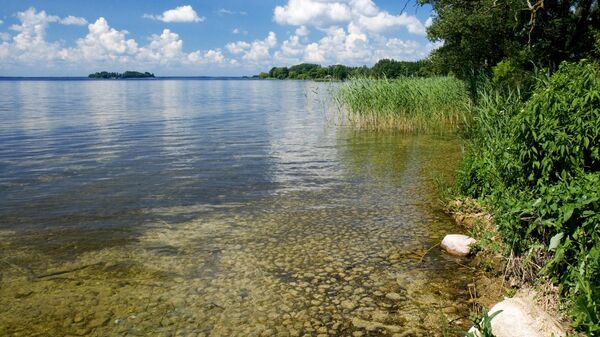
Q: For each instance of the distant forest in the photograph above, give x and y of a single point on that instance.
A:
(384, 68)
(127, 74)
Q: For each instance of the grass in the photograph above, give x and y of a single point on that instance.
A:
(407, 104)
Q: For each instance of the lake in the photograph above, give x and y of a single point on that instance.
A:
(217, 208)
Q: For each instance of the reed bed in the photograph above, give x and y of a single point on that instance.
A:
(407, 104)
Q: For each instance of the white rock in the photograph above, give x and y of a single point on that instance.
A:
(457, 244)
(520, 317)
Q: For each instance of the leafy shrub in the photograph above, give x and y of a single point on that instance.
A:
(559, 129)
(537, 163)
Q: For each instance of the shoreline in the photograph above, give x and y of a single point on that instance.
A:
(493, 279)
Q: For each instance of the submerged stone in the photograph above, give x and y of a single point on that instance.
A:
(457, 244)
(393, 296)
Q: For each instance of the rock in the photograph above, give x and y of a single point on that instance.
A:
(373, 326)
(348, 305)
(22, 293)
(520, 317)
(457, 244)
(99, 320)
(393, 296)
(78, 318)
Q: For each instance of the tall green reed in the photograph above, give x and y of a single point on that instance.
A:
(407, 104)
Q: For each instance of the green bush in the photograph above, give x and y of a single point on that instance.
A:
(537, 163)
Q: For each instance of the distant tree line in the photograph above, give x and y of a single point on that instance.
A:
(384, 68)
(127, 74)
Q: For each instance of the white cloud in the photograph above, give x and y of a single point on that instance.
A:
(403, 50)
(291, 51)
(260, 50)
(355, 32)
(101, 45)
(179, 14)
(317, 12)
(1, 22)
(105, 43)
(352, 32)
(30, 42)
(239, 31)
(384, 20)
(428, 22)
(211, 56)
(350, 46)
(257, 51)
(214, 56)
(4, 50)
(237, 47)
(362, 13)
(224, 11)
(302, 31)
(73, 20)
(314, 54)
(164, 48)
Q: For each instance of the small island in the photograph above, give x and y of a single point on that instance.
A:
(119, 76)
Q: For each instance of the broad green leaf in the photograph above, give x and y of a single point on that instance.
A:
(568, 213)
(555, 241)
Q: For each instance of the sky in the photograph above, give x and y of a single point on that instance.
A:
(205, 37)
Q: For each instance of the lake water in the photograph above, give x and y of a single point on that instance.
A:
(217, 208)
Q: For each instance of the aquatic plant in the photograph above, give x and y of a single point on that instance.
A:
(408, 103)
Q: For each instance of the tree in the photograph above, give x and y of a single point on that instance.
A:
(394, 69)
(279, 72)
(478, 34)
(339, 71)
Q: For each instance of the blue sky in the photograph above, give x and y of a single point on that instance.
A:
(202, 37)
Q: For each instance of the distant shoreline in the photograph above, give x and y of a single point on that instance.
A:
(85, 78)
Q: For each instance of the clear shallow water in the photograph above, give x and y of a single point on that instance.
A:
(216, 208)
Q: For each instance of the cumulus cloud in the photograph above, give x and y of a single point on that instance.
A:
(302, 31)
(101, 45)
(352, 32)
(351, 45)
(213, 56)
(384, 20)
(180, 14)
(105, 43)
(237, 47)
(1, 22)
(73, 20)
(317, 12)
(362, 13)
(258, 51)
(355, 32)
(163, 48)
(30, 43)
